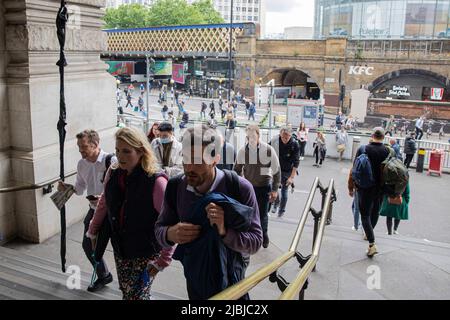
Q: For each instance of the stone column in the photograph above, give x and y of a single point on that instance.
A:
(32, 79)
(245, 65)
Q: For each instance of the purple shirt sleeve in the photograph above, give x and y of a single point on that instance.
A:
(246, 242)
(166, 218)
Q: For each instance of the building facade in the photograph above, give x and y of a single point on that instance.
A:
(374, 19)
(116, 3)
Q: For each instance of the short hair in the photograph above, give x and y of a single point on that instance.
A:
(252, 128)
(202, 138)
(165, 127)
(287, 129)
(378, 133)
(91, 135)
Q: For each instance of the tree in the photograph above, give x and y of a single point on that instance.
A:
(162, 13)
(206, 8)
(126, 16)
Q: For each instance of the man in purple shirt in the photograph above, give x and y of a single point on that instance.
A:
(200, 178)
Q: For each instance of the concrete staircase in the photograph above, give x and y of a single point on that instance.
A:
(26, 277)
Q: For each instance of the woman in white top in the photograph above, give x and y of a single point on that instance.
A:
(302, 136)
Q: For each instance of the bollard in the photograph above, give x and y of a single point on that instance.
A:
(420, 160)
(355, 147)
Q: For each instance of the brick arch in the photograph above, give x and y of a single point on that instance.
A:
(408, 72)
(283, 70)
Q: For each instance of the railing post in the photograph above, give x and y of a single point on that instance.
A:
(355, 147)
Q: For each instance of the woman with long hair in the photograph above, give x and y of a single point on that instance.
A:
(320, 149)
(153, 132)
(302, 136)
(131, 201)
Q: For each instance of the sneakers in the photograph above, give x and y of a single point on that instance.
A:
(265, 241)
(372, 250)
(354, 229)
(302, 158)
(274, 209)
(280, 214)
(395, 232)
(100, 283)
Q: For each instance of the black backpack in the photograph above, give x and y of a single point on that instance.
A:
(231, 181)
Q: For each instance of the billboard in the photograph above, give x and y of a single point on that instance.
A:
(120, 67)
(162, 68)
(178, 73)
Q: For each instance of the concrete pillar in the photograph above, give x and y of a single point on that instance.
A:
(32, 78)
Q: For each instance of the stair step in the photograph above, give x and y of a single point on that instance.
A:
(24, 277)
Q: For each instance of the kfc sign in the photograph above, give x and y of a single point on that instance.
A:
(360, 70)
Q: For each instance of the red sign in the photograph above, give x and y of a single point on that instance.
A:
(178, 73)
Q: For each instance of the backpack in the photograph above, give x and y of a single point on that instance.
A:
(362, 173)
(231, 181)
(395, 175)
(107, 164)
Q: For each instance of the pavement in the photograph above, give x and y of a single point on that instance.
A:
(412, 265)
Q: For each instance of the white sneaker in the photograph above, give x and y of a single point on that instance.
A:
(395, 232)
(302, 158)
(354, 229)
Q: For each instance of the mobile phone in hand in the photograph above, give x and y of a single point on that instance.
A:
(92, 198)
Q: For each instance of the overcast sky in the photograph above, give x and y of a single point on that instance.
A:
(288, 13)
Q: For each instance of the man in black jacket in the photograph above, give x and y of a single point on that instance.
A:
(288, 152)
(370, 198)
(410, 149)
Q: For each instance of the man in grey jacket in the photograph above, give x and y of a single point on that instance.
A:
(258, 163)
(168, 150)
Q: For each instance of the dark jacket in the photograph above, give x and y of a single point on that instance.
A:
(209, 265)
(410, 146)
(288, 153)
(377, 153)
(132, 234)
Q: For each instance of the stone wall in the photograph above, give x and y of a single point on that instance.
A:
(409, 109)
(33, 99)
(8, 226)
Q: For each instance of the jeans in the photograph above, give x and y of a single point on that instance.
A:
(262, 197)
(102, 242)
(251, 115)
(389, 224)
(419, 133)
(282, 201)
(355, 210)
(369, 207)
(318, 154)
(302, 148)
(408, 159)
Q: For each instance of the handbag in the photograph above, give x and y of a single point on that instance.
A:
(341, 148)
(395, 200)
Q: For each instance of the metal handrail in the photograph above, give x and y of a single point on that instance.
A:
(242, 287)
(294, 288)
(34, 186)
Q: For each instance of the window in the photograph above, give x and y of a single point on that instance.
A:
(255, 18)
(250, 9)
(244, 9)
(255, 10)
(249, 18)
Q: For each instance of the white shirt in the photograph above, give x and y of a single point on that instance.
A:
(419, 123)
(90, 175)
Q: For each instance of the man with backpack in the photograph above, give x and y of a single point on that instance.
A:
(374, 174)
(91, 170)
(217, 209)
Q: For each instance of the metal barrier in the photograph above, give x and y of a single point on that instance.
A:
(46, 186)
(307, 263)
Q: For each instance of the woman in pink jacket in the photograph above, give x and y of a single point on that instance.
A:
(132, 201)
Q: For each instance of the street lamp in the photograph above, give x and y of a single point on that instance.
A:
(230, 66)
(259, 92)
(220, 88)
(171, 92)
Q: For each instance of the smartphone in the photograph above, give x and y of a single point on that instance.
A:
(92, 198)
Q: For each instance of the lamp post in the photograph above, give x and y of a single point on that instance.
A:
(220, 88)
(230, 66)
(147, 60)
(259, 92)
(271, 84)
(171, 93)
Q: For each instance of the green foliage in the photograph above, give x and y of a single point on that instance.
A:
(162, 13)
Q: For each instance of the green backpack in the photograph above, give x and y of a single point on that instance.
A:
(395, 175)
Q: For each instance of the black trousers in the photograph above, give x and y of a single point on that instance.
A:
(102, 242)
(369, 208)
(302, 148)
(262, 197)
(408, 159)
